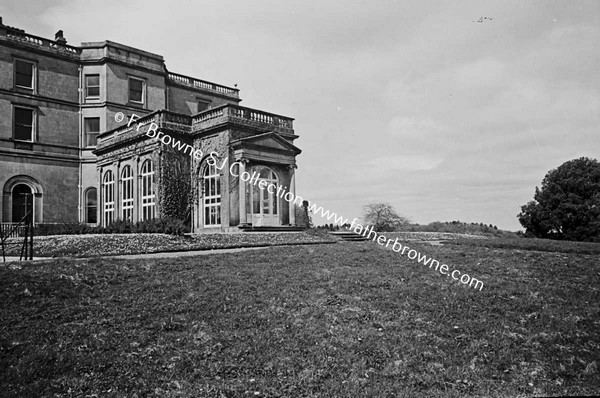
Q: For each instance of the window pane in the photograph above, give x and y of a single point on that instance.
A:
(23, 124)
(136, 88)
(24, 75)
(92, 85)
(91, 206)
(24, 116)
(92, 124)
(202, 106)
(255, 199)
(92, 129)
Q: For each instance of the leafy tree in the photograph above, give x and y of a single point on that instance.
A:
(568, 204)
(383, 217)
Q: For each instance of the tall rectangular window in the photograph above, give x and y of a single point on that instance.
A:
(127, 193)
(212, 197)
(92, 86)
(92, 129)
(109, 198)
(148, 197)
(136, 90)
(91, 206)
(24, 74)
(24, 122)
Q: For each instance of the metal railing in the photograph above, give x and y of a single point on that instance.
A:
(24, 228)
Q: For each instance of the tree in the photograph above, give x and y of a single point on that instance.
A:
(568, 204)
(383, 217)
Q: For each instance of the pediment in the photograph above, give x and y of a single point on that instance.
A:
(266, 141)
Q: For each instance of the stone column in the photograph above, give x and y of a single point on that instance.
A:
(292, 208)
(242, 191)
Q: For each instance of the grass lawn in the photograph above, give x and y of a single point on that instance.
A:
(342, 320)
(113, 244)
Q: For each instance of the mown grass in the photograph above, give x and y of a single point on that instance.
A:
(137, 243)
(343, 320)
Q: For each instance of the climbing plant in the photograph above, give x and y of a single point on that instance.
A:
(175, 188)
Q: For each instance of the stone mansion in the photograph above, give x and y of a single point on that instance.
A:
(69, 152)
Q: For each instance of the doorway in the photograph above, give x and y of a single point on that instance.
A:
(265, 205)
(22, 202)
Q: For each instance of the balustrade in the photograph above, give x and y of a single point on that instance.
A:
(233, 112)
(20, 35)
(190, 81)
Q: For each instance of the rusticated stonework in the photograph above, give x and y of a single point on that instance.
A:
(204, 188)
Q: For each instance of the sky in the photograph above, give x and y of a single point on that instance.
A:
(446, 110)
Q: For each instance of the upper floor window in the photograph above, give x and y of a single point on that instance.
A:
(92, 86)
(137, 90)
(24, 124)
(24, 74)
(92, 129)
(203, 105)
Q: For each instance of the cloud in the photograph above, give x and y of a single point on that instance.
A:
(390, 164)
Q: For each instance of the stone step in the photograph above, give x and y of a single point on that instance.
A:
(281, 228)
(349, 236)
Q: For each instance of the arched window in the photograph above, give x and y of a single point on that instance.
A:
(147, 190)
(91, 206)
(126, 193)
(212, 197)
(20, 194)
(22, 202)
(109, 198)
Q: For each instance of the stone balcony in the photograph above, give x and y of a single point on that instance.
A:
(222, 116)
(165, 120)
(241, 116)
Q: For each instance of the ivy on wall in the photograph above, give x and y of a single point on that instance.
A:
(175, 189)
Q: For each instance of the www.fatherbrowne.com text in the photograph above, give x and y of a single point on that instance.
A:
(293, 199)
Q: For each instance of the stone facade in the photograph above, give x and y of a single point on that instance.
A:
(202, 186)
(55, 99)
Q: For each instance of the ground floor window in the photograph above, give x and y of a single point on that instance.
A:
(212, 197)
(91, 206)
(148, 201)
(109, 198)
(127, 193)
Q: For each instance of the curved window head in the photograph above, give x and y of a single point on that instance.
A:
(91, 206)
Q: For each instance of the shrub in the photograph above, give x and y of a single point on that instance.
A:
(72, 228)
(171, 226)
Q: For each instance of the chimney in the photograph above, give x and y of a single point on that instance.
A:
(60, 38)
(0, 20)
